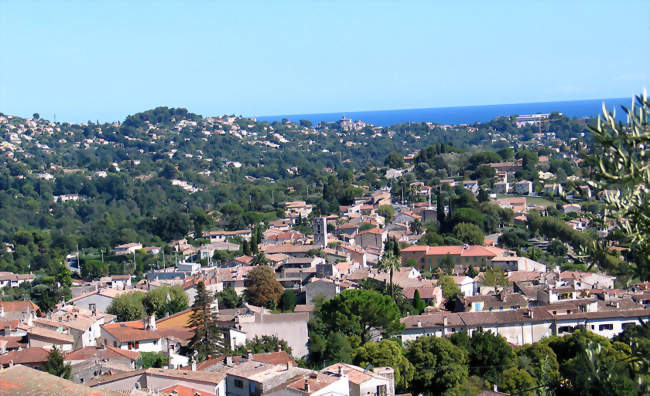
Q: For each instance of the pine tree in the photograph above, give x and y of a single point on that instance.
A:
(55, 365)
(208, 338)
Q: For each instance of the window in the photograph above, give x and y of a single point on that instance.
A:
(607, 326)
(137, 344)
(625, 325)
(381, 390)
(251, 386)
(565, 329)
(239, 383)
(114, 344)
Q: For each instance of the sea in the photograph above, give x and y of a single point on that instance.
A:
(465, 114)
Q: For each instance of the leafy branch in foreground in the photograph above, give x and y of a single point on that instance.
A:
(622, 172)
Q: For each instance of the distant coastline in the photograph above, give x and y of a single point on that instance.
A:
(464, 114)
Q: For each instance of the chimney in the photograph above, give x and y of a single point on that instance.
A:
(289, 365)
(249, 355)
(193, 365)
(341, 374)
(419, 324)
(531, 314)
(151, 322)
(228, 360)
(444, 321)
(2, 311)
(279, 348)
(306, 384)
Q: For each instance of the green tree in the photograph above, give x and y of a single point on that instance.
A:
(228, 298)
(622, 164)
(394, 160)
(154, 359)
(165, 300)
(469, 233)
(495, 276)
(387, 212)
(264, 344)
(288, 301)
(338, 348)
(386, 353)
(490, 355)
(439, 364)
(56, 366)
(416, 226)
(431, 238)
(450, 291)
(128, 307)
(483, 195)
(207, 338)
(418, 303)
(543, 364)
(359, 312)
(259, 259)
(262, 288)
(471, 387)
(516, 381)
(389, 262)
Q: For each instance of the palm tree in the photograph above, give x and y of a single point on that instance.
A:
(416, 226)
(389, 263)
(259, 259)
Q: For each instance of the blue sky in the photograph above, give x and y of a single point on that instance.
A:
(104, 60)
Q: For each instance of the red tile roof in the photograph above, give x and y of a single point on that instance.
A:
(25, 356)
(131, 331)
(19, 306)
(181, 390)
(107, 352)
(470, 251)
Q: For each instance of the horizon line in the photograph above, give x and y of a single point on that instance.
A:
(438, 107)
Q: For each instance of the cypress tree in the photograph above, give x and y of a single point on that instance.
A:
(208, 338)
(245, 247)
(56, 366)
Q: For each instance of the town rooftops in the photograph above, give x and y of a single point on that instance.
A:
(464, 251)
(131, 331)
(107, 352)
(20, 380)
(540, 314)
(10, 276)
(128, 245)
(25, 356)
(287, 248)
(19, 306)
(199, 376)
(52, 335)
(181, 390)
(356, 375)
(306, 384)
